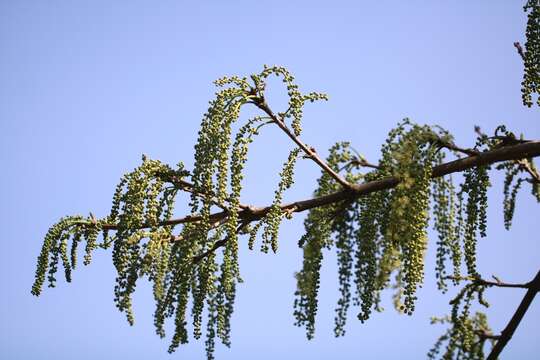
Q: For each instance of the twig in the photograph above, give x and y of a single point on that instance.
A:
(309, 151)
(517, 45)
(360, 162)
(525, 165)
(454, 147)
(480, 281)
(189, 187)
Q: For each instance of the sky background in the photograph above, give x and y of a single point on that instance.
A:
(86, 87)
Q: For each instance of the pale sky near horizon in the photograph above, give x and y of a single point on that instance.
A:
(87, 87)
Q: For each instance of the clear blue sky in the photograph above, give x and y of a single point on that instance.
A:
(86, 87)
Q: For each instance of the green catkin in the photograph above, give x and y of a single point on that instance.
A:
(74, 246)
(344, 248)
(64, 255)
(90, 235)
(368, 239)
(165, 306)
(180, 332)
(510, 203)
(178, 290)
(317, 236)
(457, 253)
(476, 182)
(308, 281)
(531, 76)
(161, 268)
(444, 211)
(253, 235)
(205, 278)
(210, 343)
(275, 215)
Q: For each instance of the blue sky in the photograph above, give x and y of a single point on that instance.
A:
(87, 87)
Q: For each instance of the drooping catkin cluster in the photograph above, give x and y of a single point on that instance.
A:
(219, 165)
(55, 248)
(143, 200)
(467, 335)
(320, 223)
(274, 217)
(410, 157)
(381, 237)
(184, 267)
(376, 235)
(531, 76)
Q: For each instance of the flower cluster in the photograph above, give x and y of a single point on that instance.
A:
(320, 223)
(380, 237)
(55, 248)
(467, 335)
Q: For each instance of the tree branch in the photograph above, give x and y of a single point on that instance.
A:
(359, 163)
(529, 149)
(506, 334)
(483, 282)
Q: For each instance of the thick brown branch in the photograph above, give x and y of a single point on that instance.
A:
(506, 334)
(514, 152)
(309, 151)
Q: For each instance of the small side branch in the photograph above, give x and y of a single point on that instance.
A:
(526, 166)
(454, 147)
(359, 162)
(484, 282)
(309, 151)
(189, 187)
